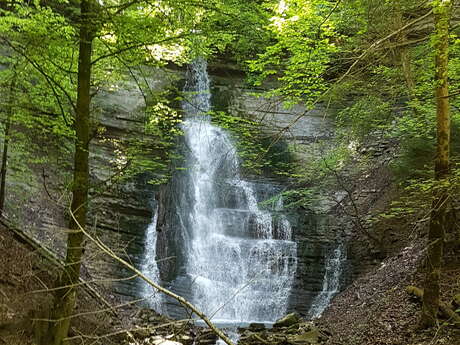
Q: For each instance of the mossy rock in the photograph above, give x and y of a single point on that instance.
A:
(311, 337)
(287, 321)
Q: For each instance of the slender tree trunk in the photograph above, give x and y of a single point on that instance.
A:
(438, 219)
(6, 142)
(65, 298)
(407, 71)
(403, 51)
(4, 163)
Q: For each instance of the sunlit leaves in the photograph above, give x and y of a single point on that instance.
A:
(301, 52)
(258, 152)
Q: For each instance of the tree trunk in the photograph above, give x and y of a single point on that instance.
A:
(438, 220)
(444, 309)
(65, 298)
(403, 52)
(6, 142)
(4, 163)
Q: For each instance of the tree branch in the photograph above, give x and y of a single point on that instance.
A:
(149, 281)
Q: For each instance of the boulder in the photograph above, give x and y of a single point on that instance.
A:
(167, 342)
(256, 327)
(311, 337)
(287, 321)
(142, 332)
(158, 340)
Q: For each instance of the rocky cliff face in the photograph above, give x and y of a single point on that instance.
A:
(122, 209)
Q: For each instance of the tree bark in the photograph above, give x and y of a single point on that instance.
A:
(444, 309)
(6, 142)
(438, 220)
(65, 298)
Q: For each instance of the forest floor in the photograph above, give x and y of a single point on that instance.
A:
(26, 277)
(21, 272)
(376, 309)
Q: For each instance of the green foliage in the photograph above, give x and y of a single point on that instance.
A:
(162, 118)
(299, 198)
(316, 174)
(37, 89)
(326, 158)
(154, 153)
(258, 152)
(368, 106)
(367, 115)
(301, 53)
(301, 46)
(43, 40)
(237, 29)
(415, 128)
(417, 197)
(375, 102)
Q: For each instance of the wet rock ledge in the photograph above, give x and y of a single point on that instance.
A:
(289, 330)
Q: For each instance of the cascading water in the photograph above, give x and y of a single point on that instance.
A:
(331, 281)
(149, 265)
(238, 260)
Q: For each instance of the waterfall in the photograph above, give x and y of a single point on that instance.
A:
(238, 260)
(331, 281)
(149, 265)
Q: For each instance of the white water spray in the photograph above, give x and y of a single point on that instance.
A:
(331, 281)
(149, 266)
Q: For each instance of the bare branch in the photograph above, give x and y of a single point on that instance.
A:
(149, 281)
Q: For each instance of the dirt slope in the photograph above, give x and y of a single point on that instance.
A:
(376, 309)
